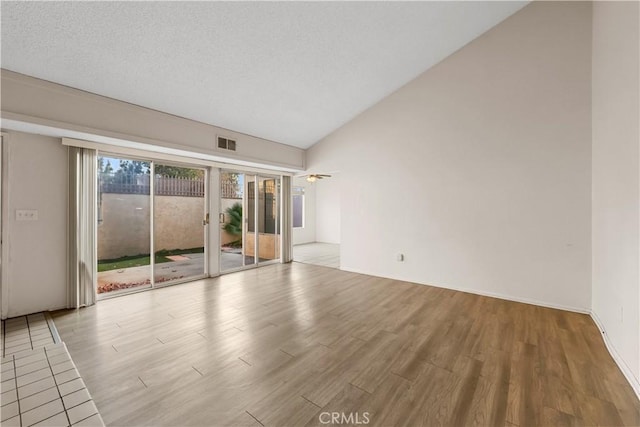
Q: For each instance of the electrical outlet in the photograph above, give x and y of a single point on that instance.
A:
(26, 215)
(621, 314)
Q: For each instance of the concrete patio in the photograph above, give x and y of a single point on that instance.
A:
(192, 266)
(133, 277)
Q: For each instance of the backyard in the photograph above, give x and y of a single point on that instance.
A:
(141, 206)
(125, 217)
(144, 259)
(135, 271)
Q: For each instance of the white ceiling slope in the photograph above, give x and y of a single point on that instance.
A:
(286, 71)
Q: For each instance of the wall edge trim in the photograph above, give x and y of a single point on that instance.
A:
(626, 371)
(498, 295)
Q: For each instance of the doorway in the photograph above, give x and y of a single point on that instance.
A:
(249, 220)
(152, 224)
(179, 223)
(316, 220)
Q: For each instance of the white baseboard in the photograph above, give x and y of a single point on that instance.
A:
(483, 293)
(626, 371)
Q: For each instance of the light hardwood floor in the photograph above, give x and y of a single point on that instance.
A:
(282, 344)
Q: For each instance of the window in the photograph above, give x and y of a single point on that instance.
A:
(298, 207)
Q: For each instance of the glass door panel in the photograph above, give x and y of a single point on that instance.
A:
(179, 223)
(124, 224)
(268, 219)
(249, 220)
(233, 221)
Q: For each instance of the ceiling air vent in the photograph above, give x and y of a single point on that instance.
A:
(226, 144)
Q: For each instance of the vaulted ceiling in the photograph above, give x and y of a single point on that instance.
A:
(291, 72)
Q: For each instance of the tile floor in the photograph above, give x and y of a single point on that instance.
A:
(40, 384)
(25, 333)
(325, 254)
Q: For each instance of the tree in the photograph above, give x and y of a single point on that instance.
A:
(234, 226)
(230, 184)
(104, 165)
(133, 167)
(178, 172)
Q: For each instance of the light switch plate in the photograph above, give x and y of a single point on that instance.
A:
(26, 215)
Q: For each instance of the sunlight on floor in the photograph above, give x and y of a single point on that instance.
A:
(325, 254)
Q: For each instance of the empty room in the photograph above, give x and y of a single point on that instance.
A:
(320, 213)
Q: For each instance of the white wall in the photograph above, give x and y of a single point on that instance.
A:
(616, 179)
(479, 169)
(34, 269)
(328, 198)
(307, 234)
(39, 102)
(35, 256)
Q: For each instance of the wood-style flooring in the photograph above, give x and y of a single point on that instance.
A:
(283, 344)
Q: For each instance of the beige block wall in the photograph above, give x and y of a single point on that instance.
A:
(178, 222)
(123, 225)
(268, 245)
(124, 229)
(226, 238)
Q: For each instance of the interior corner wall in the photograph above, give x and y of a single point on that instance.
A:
(478, 171)
(616, 179)
(306, 234)
(34, 270)
(328, 197)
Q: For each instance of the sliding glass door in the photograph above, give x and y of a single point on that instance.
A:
(153, 222)
(232, 221)
(179, 220)
(139, 216)
(124, 224)
(249, 220)
(268, 219)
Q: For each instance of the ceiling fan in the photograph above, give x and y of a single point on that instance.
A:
(316, 176)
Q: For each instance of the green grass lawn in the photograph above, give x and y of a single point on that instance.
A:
(142, 259)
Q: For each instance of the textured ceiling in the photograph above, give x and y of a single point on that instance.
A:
(285, 71)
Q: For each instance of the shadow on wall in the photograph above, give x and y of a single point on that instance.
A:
(327, 194)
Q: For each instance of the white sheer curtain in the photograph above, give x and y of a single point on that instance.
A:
(82, 268)
(286, 219)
